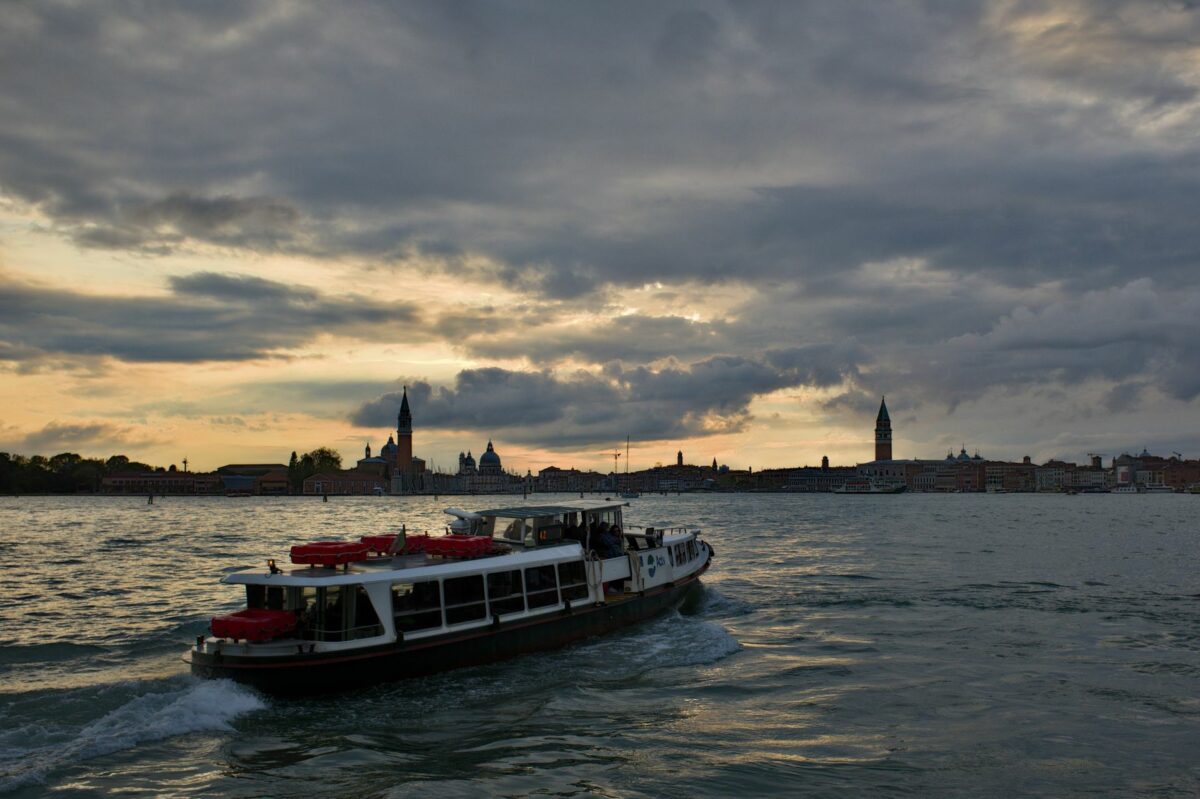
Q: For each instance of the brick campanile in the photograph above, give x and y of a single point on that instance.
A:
(404, 454)
(883, 433)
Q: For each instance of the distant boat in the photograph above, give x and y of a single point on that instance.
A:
(861, 485)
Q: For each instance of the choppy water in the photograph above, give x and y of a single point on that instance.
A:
(964, 645)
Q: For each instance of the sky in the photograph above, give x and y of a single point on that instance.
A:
(231, 230)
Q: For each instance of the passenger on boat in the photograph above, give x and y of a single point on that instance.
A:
(573, 532)
(607, 542)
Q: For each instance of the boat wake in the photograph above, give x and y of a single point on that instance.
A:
(31, 751)
(674, 640)
(712, 603)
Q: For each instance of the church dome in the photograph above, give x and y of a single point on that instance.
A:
(389, 448)
(489, 458)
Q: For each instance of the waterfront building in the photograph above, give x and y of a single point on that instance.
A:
(824, 478)
(161, 482)
(1003, 476)
(254, 478)
(488, 476)
(554, 479)
(1053, 476)
(404, 430)
(235, 478)
(389, 452)
(891, 472)
(1091, 478)
(883, 433)
(347, 481)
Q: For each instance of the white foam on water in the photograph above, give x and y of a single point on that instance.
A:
(678, 640)
(200, 706)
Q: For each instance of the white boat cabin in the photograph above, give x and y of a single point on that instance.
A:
(545, 559)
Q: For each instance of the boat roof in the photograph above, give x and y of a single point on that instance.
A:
(531, 511)
(407, 567)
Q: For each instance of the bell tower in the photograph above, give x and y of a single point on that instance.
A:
(404, 452)
(883, 433)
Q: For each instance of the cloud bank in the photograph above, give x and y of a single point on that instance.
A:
(945, 201)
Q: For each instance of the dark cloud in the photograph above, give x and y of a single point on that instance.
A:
(259, 223)
(687, 40)
(1033, 162)
(583, 146)
(675, 402)
(1131, 337)
(208, 317)
(57, 437)
(629, 338)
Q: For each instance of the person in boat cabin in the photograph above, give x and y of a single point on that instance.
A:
(608, 544)
(572, 531)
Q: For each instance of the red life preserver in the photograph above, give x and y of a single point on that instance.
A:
(254, 624)
(329, 553)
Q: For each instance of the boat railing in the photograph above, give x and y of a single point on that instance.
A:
(631, 529)
(321, 633)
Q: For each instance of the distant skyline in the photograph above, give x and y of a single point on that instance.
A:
(229, 231)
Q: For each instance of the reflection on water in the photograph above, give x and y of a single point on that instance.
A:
(928, 645)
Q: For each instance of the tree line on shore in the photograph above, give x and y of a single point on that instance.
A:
(321, 459)
(64, 473)
(71, 473)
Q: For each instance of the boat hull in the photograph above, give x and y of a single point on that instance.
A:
(305, 673)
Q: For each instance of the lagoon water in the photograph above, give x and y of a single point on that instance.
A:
(917, 645)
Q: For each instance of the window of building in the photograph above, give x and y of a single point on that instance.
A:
(505, 592)
(573, 580)
(464, 599)
(417, 606)
(541, 587)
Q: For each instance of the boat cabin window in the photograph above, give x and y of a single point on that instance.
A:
(547, 529)
(505, 592)
(464, 599)
(514, 530)
(573, 579)
(417, 606)
(301, 600)
(541, 587)
(338, 613)
(573, 528)
(264, 596)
